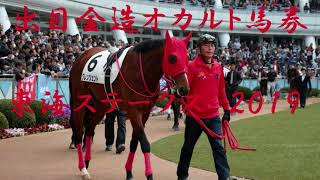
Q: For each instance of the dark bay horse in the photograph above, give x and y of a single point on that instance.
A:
(138, 80)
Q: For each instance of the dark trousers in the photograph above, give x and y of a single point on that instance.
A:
(192, 133)
(232, 100)
(263, 87)
(176, 113)
(303, 97)
(109, 128)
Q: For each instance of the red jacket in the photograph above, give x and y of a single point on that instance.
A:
(207, 89)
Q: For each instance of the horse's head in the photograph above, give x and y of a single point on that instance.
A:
(175, 62)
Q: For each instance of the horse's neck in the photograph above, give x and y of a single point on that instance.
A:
(152, 68)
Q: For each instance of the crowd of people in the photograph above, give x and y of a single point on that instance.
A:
(24, 53)
(277, 5)
(52, 53)
(252, 56)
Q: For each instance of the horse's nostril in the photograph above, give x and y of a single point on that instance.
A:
(183, 91)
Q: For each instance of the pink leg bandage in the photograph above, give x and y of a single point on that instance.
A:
(129, 162)
(80, 156)
(148, 164)
(88, 148)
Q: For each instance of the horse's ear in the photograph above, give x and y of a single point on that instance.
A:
(168, 37)
(187, 39)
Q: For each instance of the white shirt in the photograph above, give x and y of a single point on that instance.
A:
(225, 71)
(231, 78)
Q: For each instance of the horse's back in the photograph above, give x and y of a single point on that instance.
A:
(81, 61)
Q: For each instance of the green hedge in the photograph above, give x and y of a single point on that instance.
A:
(14, 120)
(162, 103)
(284, 90)
(314, 93)
(40, 118)
(256, 88)
(3, 121)
(246, 91)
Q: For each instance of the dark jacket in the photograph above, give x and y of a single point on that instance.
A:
(272, 76)
(236, 80)
(305, 85)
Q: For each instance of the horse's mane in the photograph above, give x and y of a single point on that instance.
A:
(148, 45)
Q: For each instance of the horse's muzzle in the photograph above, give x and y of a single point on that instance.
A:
(183, 91)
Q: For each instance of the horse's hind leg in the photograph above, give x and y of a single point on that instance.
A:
(78, 130)
(94, 118)
(88, 137)
(133, 148)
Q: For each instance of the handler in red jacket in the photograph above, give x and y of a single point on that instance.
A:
(207, 93)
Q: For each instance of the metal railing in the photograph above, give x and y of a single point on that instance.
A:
(45, 83)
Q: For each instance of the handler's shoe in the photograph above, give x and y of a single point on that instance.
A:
(120, 148)
(176, 128)
(109, 148)
(232, 178)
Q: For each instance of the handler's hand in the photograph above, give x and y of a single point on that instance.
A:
(226, 116)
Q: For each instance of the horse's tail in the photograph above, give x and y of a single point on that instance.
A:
(71, 120)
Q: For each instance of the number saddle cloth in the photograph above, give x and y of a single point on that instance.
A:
(102, 68)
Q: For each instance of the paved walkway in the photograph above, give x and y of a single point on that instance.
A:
(46, 155)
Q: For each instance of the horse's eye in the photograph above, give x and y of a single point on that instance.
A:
(172, 59)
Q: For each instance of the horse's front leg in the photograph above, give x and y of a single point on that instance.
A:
(139, 135)
(145, 147)
(133, 148)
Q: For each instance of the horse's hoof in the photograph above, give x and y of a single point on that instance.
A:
(150, 177)
(86, 177)
(85, 174)
(129, 176)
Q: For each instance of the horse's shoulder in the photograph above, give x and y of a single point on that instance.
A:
(97, 49)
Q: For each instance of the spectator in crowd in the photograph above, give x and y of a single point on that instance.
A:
(309, 54)
(304, 87)
(67, 69)
(19, 71)
(271, 87)
(263, 81)
(175, 106)
(306, 8)
(36, 68)
(233, 79)
(52, 50)
(4, 49)
(112, 47)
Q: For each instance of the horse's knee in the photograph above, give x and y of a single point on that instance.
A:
(133, 145)
(145, 145)
(78, 137)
